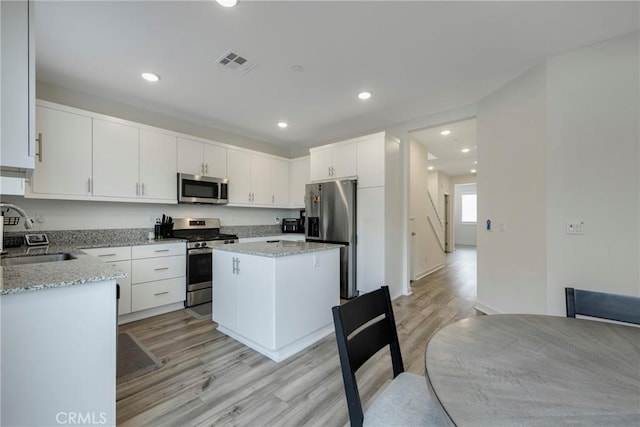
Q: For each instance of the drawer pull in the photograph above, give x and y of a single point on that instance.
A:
(162, 250)
(162, 268)
(102, 255)
(161, 293)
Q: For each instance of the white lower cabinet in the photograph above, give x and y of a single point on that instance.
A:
(157, 275)
(119, 257)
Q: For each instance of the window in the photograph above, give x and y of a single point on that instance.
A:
(469, 208)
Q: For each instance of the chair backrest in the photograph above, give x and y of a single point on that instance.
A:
(356, 348)
(622, 308)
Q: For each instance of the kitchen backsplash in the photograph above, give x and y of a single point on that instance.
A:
(80, 215)
(116, 235)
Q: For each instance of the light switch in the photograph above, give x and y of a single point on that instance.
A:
(575, 227)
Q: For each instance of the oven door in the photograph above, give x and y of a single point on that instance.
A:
(199, 276)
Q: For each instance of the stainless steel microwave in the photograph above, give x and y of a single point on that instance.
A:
(202, 189)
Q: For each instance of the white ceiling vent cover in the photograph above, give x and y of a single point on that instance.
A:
(233, 61)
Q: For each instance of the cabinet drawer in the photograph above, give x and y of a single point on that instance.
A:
(161, 250)
(121, 253)
(156, 294)
(149, 269)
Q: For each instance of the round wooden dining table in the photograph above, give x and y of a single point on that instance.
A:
(531, 370)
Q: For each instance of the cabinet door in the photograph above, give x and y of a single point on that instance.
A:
(115, 160)
(239, 173)
(371, 162)
(17, 97)
(320, 162)
(66, 153)
(225, 290)
(256, 299)
(215, 161)
(344, 161)
(280, 182)
(298, 178)
(261, 180)
(190, 157)
(124, 303)
(371, 240)
(158, 166)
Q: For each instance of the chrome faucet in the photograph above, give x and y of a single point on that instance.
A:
(28, 224)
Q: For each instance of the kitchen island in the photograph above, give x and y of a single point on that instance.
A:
(276, 297)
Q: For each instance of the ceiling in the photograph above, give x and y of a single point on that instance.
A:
(416, 57)
(447, 149)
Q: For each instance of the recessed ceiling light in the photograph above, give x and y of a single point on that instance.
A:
(465, 150)
(227, 3)
(282, 125)
(473, 171)
(364, 95)
(445, 132)
(475, 163)
(430, 168)
(150, 77)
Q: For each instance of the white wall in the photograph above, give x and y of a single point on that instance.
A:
(85, 215)
(425, 252)
(568, 131)
(512, 264)
(465, 233)
(593, 169)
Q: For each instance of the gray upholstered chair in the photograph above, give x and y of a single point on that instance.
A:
(621, 308)
(407, 401)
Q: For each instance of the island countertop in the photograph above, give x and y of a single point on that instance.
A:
(278, 248)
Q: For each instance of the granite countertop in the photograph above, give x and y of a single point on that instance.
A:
(277, 249)
(84, 269)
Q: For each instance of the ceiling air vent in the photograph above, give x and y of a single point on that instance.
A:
(231, 60)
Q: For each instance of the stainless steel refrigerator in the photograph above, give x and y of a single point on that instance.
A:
(331, 218)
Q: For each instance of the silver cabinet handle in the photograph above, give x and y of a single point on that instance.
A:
(161, 268)
(329, 171)
(161, 293)
(249, 196)
(206, 168)
(103, 255)
(39, 152)
(137, 188)
(202, 168)
(162, 250)
(273, 198)
(143, 188)
(88, 185)
(237, 265)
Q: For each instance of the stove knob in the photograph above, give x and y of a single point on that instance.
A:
(197, 245)
(204, 244)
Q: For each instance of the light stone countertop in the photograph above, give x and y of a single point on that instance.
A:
(277, 249)
(84, 269)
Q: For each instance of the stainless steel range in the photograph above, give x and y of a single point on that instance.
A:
(202, 235)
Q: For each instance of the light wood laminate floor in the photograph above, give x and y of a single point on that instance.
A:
(210, 379)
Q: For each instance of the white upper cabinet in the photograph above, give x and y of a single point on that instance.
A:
(371, 160)
(17, 97)
(239, 174)
(115, 160)
(215, 161)
(334, 161)
(64, 163)
(157, 166)
(256, 179)
(280, 183)
(298, 179)
(197, 158)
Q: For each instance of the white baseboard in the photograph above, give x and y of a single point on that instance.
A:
(486, 309)
(139, 315)
(428, 272)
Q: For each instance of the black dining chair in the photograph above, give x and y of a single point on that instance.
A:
(407, 400)
(621, 308)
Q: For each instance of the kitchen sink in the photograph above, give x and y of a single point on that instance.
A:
(36, 259)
